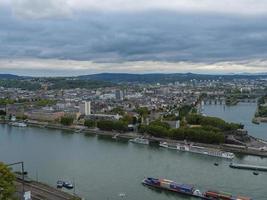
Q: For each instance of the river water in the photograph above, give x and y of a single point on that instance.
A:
(241, 113)
(102, 168)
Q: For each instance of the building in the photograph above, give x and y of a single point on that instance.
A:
(119, 95)
(103, 117)
(85, 108)
(43, 115)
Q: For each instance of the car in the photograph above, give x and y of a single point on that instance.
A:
(68, 185)
(60, 184)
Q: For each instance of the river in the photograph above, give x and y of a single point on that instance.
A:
(102, 168)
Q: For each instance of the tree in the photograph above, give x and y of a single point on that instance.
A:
(118, 110)
(184, 110)
(7, 185)
(2, 112)
(159, 123)
(66, 121)
(45, 102)
(89, 123)
(108, 125)
(212, 121)
(128, 119)
(143, 112)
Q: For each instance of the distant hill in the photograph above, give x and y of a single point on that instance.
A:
(9, 76)
(164, 78)
(104, 78)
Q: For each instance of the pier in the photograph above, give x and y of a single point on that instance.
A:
(248, 167)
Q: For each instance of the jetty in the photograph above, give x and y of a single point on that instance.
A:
(248, 167)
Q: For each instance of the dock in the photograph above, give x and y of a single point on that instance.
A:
(248, 167)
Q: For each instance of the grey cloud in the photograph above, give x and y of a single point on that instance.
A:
(135, 36)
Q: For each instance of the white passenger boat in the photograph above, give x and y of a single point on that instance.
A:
(168, 145)
(18, 124)
(140, 140)
(199, 150)
(205, 151)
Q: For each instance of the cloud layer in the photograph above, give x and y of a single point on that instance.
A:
(53, 67)
(41, 8)
(110, 32)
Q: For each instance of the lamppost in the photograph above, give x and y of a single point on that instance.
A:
(1, 190)
(22, 171)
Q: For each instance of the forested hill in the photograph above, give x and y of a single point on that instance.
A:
(165, 78)
(9, 76)
(111, 79)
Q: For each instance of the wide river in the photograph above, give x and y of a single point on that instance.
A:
(103, 168)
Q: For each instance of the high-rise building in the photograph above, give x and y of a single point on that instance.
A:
(85, 108)
(119, 95)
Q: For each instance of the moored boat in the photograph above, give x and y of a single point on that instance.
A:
(65, 184)
(60, 184)
(198, 149)
(206, 151)
(18, 124)
(140, 140)
(68, 185)
(168, 145)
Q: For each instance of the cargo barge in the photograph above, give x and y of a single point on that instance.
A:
(189, 190)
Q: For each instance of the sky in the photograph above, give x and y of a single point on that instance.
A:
(78, 37)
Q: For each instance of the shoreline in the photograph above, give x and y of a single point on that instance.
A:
(131, 135)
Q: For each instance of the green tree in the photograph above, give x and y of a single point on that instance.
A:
(184, 111)
(2, 112)
(159, 123)
(66, 121)
(45, 102)
(89, 123)
(128, 119)
(108, 125)
(118, 110)
(143, 112)
(7, 186)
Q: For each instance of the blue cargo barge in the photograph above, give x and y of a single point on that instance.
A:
(189, 190)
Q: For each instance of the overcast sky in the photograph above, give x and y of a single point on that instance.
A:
(72, 37)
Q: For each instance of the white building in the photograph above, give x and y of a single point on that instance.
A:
(85, 108)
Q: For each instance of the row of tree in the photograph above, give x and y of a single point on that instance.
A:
(108, 125)
(216, 122)
(206, 134)
(262, 110)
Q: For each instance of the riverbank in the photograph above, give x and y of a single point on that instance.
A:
(40, 191)
(259, 148)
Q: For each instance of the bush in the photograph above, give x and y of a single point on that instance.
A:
(6, 183)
